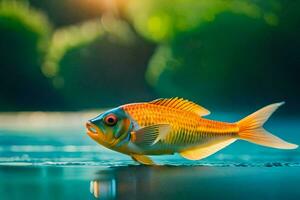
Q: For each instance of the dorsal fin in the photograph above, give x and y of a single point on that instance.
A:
(181, 104)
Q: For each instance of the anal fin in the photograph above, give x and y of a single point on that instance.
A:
(142, 159)
(203, 152)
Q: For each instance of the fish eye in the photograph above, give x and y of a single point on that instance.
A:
(111, 120)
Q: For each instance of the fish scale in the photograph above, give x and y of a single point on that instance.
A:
(187, 128)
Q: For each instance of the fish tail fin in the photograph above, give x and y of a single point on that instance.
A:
(251, 129)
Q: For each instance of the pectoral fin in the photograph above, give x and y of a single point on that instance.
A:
(203, 152)
(142, 159)
(150, 135)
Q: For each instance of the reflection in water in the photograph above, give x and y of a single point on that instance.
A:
(105, 188)
(141, 182)
(170, 182)
(134, 182)
(113, 183)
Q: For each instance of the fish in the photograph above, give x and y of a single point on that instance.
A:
(167, 126)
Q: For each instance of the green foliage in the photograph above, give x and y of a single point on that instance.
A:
(218, 50)
(202, 64)
(231, 60)
(66, 39)
(80, 54)
(79, 36)
(162, 20)
(18, 14)
(24, 35)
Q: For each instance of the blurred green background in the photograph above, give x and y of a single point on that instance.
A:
(84, 54)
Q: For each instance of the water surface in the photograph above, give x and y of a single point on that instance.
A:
(61, 162)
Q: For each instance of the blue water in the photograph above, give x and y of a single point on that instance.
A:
(64, 163)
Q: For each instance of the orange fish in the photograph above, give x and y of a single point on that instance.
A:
(175, 125)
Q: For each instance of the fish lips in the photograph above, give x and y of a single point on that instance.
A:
(93, 131)
(97, 134)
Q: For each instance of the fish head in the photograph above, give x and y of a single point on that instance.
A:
(110, 127)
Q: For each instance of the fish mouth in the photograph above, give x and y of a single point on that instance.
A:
(96, 134)
(92, 130)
